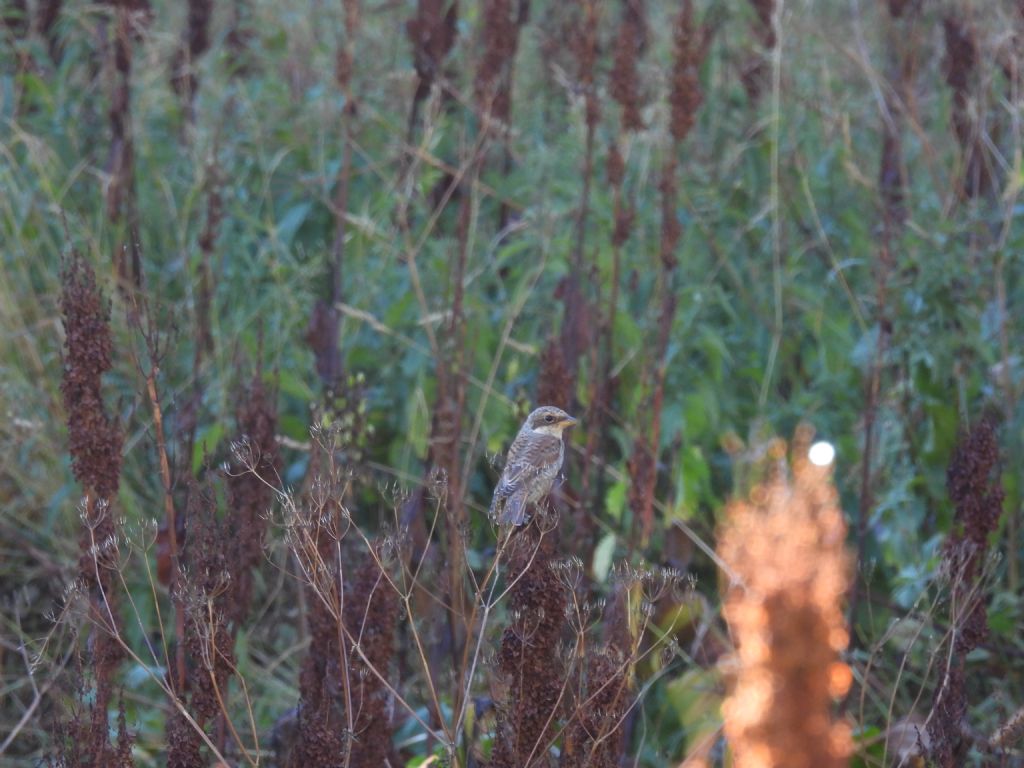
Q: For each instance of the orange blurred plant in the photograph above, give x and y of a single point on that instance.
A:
(785, 548)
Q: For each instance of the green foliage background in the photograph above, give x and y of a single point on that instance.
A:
(778, 303)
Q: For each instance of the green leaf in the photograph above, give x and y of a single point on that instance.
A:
(603, 553)
(695, 696)
(206, 443)
(289, 383)
(291, 221)
(693, 483)
(615, 500)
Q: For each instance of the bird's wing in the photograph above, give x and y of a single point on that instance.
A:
(509, 502)
(525, 462)
(517, 474)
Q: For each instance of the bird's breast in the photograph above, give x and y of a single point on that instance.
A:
(544, 448)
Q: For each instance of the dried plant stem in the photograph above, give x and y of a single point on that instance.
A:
(974, 484)
(306, 548)
(632, 705)
(788, 542)
(38, 694)
(343, 77)
(158, 679)
(451, 401)
(248, 707)
(120, 194)
(390, 688)
(1010, 409)
(488, 606)
(1010, 200)
(582, 215)
(619, 673)
(172, 531)
(776, 137)
(195, 40)
(872, 392)
(138, 618)
(346, 683)
(599, 407)
(575, 324)
(230, 725)
(872, 389)
(409, 250)
(405, 595)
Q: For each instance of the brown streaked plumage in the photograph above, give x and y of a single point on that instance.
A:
(532, 464)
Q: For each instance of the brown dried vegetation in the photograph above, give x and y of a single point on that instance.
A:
(529, 657)
(371, 616)
(206, 591)
(975, 489)
(15, 18)
(961, 64)
(388, 629)
(596, 735)
(195, 40)
(94, 438)
(78, 744)
(690, 45)
(754, 71)
(47, 14)
(250, 496)
(624, 85)
(94, 442)
(432, 32)
(555, 383)
(500, 24)
(129, 19)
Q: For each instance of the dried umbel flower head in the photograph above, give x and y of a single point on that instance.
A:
(786, 550)
(595, 737)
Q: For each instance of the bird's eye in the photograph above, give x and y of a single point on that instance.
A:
(549, 418)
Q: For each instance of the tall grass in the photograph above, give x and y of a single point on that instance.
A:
(281, 282)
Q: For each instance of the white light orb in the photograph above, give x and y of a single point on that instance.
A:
(822, 453)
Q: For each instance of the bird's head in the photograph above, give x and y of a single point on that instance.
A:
(548, 420)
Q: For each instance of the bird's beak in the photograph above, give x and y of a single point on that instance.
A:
(568, 421)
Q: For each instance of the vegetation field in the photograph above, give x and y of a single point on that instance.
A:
(281, 281)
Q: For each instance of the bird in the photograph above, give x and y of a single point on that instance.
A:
(531, 465)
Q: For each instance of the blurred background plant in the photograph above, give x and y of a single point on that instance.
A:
(280, 281)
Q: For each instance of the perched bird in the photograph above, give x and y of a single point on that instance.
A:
(532, 464)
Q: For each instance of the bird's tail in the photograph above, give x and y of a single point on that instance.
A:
(513, 511)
